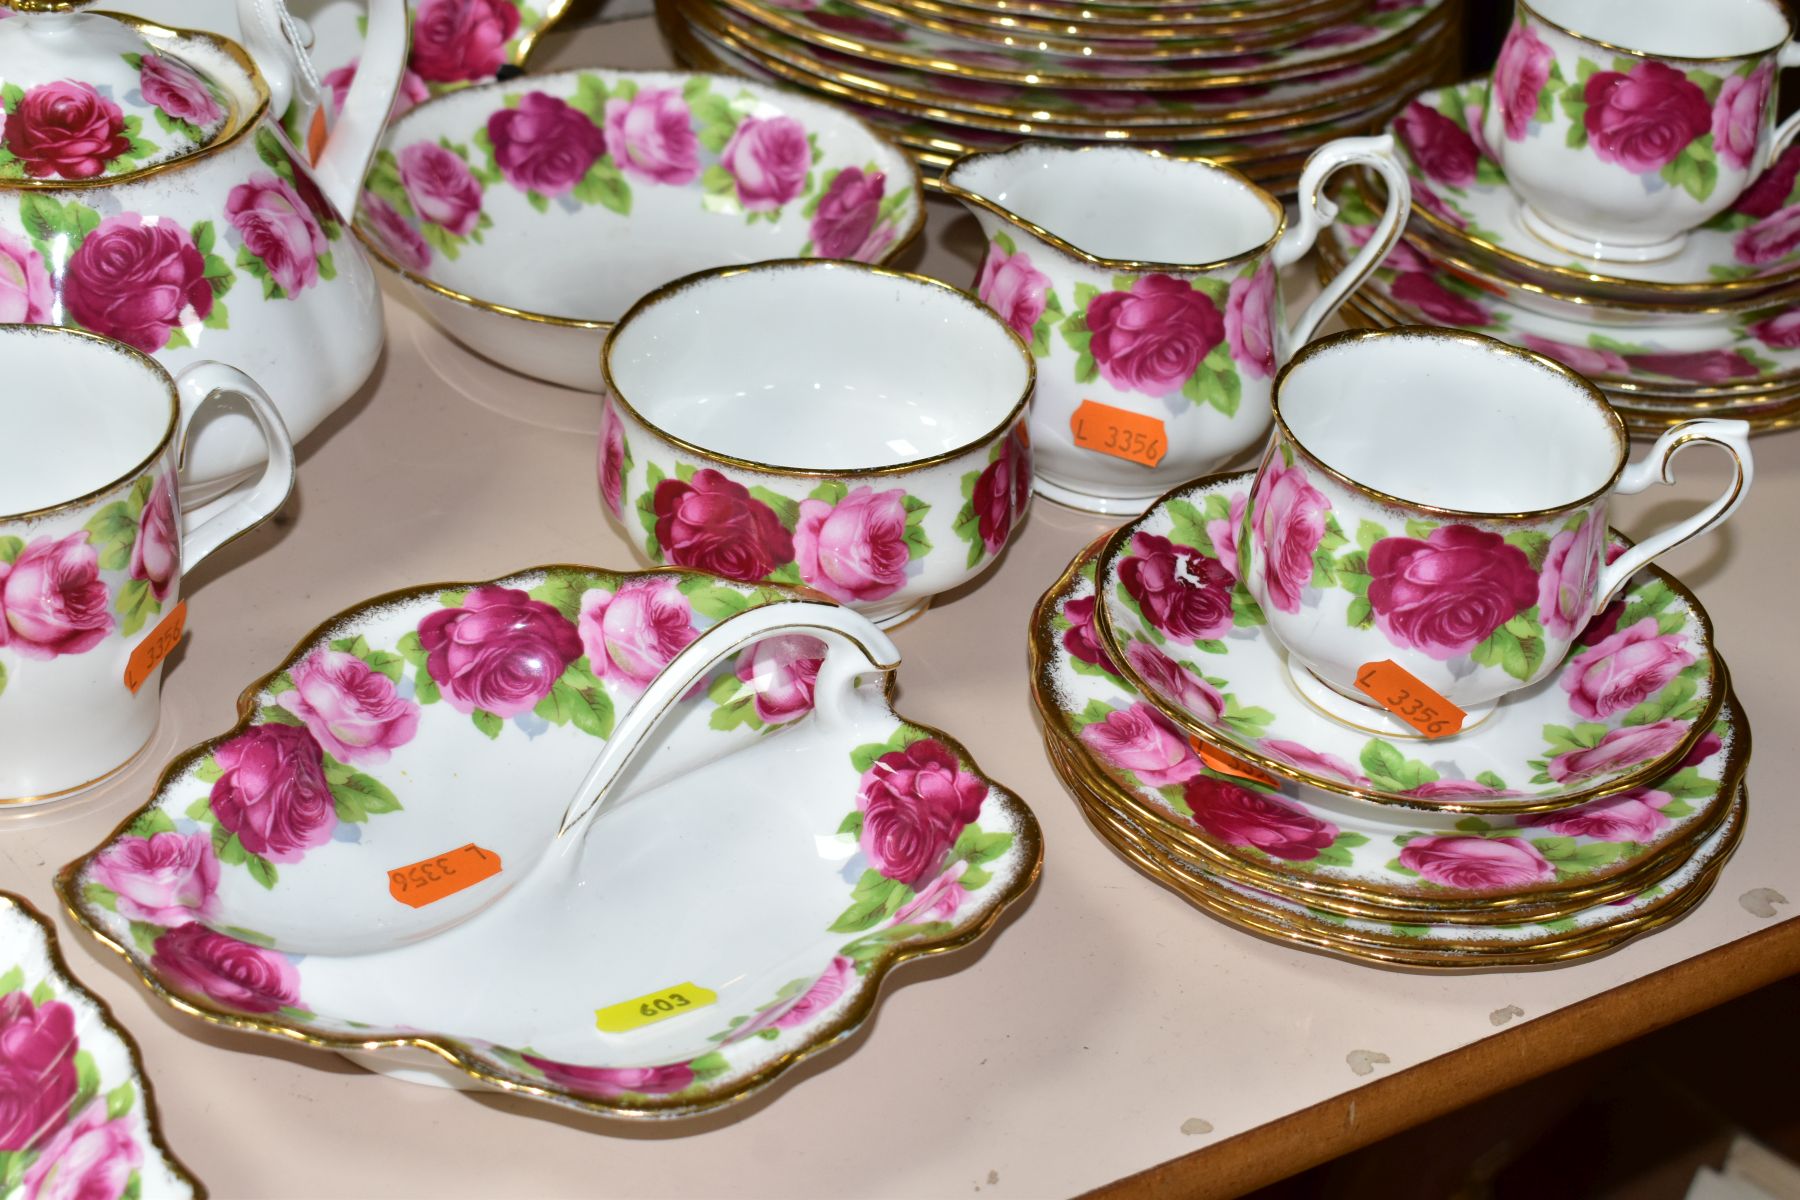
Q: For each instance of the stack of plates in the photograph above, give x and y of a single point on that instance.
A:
(1257, 83)
(1712, 331)
(1561, 825)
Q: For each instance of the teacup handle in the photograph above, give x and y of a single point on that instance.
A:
(1787, 56)
(207, 527)
(854, 647)
(1317, 211)
(1658, 467)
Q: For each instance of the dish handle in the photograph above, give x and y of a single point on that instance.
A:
(854, 648)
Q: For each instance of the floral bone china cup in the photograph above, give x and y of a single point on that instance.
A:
(1476, 477)
(94, 542)
(1152, 372)
(856, 430)
(1649, 121)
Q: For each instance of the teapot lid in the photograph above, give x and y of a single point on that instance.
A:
(86, 96)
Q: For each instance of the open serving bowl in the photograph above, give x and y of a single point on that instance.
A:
(529, 214)
(779, 839)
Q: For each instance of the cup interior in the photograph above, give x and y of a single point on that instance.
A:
(1453, 422)
(1124, 204)
(80, 413)
(1676, 28)
(818, 366)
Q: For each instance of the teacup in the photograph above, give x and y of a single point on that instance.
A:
(1439, 499)
(1146, 286)
(856, 430)
(1623, 124)
(94, 543)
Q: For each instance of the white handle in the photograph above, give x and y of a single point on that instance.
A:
(356, 134)
(264, 26)
(1317, 211)
(209, 526)
(853, 648)
(1787, 56)
(1658, 467)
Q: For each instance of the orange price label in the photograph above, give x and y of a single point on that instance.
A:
(148, 654)
(1399, 691)
(431, 879)
(1227, 764)
(1122, 434)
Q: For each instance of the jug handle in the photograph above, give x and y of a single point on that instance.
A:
(356, 134)
(1317, 211)
(854, 647)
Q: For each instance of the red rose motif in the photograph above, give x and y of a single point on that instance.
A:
(1520, 74)
(1771, 190)
(456, 40)
(1644, 120)
(501, 651)
(768, 158)
(857, 27)
(1588, 360)
(1633, 817)
(194, 959)
(1012, 287)
(1268, 823)
(1288, 523)
(715, 524)
(273, 793)
(1700, 366)
(65, 130)
(993, 498)
(1621, 748)
(37, 1069)
(1080, 639)
(1442, 148)
(843, 226)
(616, 1081)
(914, 804)
(1771, 239)
(1152, 338)
(136, 281)
(1141, 740)
(52, 601)
(1780, 332)
(173, 87)
(1445, 595)
(1181, 591)
(1624, 670)
(1438, 302)
(544, 145)
(1709, 744)
(1476, 864)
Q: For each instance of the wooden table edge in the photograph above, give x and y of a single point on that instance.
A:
(1384, 1107)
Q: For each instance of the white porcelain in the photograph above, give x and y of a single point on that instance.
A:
(94, 541)
(192, 240)
(1623, 124)
(1486, 470)
(841, 837)
(1149, 284)
(526, 237)
(852, 429)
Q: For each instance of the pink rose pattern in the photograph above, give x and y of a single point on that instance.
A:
(1250, 321)
(52, 601)
(914, 803)
(37, 1069)
(629, 635)
(1288, 523)
(1428, 294)
(1080, 638)
(847, 223)
(1769, 240)
(395, 233)
(137, 280)
(1635, 816)
(1445, 595)
(1620, 748)
(25, 290)
(768, 159)
(499, 651)
(1442, 148)
(612, 1082)
(1243, 817)
(1172, 681)
(1644, 120)
(1476, 864)
(165, 879)
(1621, 672)
(781, 672)
(272, 792)
(1153, 337)
(1520, 74)
(1739, 115)
(1142, 740)
(1586, 359)
(354, 711)
(611, 464)
(454, 41)
(545, 146)
(178, 91)
(91, 1158)
(278, 228)
(1316, 761)
(156, 554)
(650, 136)
(441, 187)
(1570, 573)
(1181, 591)
(854, 550)
(1780, 332)
(1013, 288)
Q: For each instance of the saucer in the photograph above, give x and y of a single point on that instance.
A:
(82, 1122)
(1460, 194)
(459, 720)
(1350, 855)
(1553, 745)
(1036, 18)
(1588, 932)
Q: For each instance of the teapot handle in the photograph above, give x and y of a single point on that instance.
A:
(854, 647)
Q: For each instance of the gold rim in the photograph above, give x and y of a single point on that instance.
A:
(59, 967)
(1294, 22)
(776, 19)
(1271, 208)
(237, 125)
(1352, 899)
(557, 10)
(1115, 544)
(372, 244)
(1787, 23)
(670, 290)
(162, 442)
(459, 1053)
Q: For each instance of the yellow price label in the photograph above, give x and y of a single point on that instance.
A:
(652, 1007)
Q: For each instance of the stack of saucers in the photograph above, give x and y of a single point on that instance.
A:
(1565, 823)
(1711, 330)
(1256, 83)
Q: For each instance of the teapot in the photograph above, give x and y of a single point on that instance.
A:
(148, 194)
